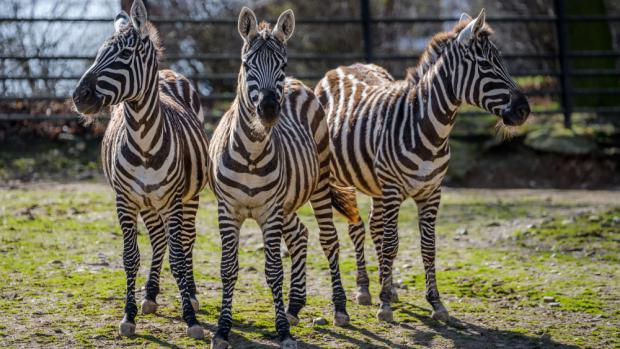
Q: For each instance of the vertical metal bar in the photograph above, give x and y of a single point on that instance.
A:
(565, 82)
(365, 4)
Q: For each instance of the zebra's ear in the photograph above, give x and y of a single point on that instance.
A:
(121, 21)
(465, 17)
(138, 16)
(472, 30)
(285, 27)
(247, 24)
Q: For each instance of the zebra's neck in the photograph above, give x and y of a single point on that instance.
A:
(143, 117)
(250, 137)
(433, 100)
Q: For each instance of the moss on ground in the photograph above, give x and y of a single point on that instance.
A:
(502, 257)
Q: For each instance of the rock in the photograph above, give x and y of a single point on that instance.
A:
(494, 224)
(568, 221)
(548, 299)
(557, 139)
(258, 248)
(400, 284)
(462, 231)
(319, 322)
(616, 220)
(594, 218)
(554, 304)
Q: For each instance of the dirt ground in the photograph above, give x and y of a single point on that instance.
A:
(516, 269)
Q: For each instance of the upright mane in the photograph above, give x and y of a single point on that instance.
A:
(153, 35)
(436, 47)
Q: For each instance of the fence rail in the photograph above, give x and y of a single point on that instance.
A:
(564, 92)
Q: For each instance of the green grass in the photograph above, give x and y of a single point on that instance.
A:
(62, 282)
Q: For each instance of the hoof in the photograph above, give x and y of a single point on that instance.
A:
(292, 319)
(196, 332)
(219, 343)
(441, 314)
(385, 314)
(394, 295)
(126, 328)
(195, 304)
(341, 319)
(149, 307)
(363, 297)
(288, 343)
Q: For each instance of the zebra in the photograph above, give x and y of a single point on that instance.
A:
(154, 154)
(269, 156)
(389, 140)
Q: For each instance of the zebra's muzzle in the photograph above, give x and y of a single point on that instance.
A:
(85, 96)
(268, 107)
(518, 110)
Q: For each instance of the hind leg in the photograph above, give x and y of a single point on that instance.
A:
(322, 206)
(296, 238)
(157, 235)
(376, 232)
(358, 235)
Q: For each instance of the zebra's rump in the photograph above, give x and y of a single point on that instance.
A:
(178, 155)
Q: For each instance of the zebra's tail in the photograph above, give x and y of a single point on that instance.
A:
(345, 202)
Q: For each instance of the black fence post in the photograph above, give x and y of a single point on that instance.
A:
(365, 4)
(565, 83)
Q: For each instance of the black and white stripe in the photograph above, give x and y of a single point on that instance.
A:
(154, 156)
(390, 140)
(269, 156)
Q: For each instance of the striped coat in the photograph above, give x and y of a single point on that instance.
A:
(154, 156)
(390, 140)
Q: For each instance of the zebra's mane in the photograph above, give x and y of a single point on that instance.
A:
(436, 47)
(129, 31)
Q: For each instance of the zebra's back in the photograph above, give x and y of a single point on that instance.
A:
(359, 101)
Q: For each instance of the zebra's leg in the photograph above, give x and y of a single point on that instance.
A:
(174, 223)
(229, 268)
(322, 207)
(358, 236)
(296, 238)
(427, 214)
(271, 226)
(189, 238)
(392, 198)
(376, 233)
(127, 217)
(157, 235)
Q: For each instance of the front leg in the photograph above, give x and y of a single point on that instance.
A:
(157, 235)
(392, 198)
(295, 236)
(127, 216)
(189, 238)
(427, 214)
(229, 226)
(174, 223)
(271, 226)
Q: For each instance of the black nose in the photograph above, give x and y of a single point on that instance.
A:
(268, 106)
(518, 111)
(84, 95)
(523, 110)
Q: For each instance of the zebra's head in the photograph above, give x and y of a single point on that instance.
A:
(125, 64)
(264, 57)
(484, 79)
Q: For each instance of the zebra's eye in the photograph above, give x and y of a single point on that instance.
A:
(284, 65)
(125, 54)
(484, 64)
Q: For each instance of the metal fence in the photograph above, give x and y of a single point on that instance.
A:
(562, 57)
